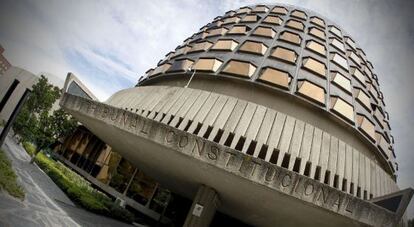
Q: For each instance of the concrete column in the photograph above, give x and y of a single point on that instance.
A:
(203, 208)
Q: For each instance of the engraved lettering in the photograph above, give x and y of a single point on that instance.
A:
(286, 180)
(114, 115)
(133, 122)
(323, 195)
(213, 154)
(270, 174)
(183, 141)
(105, 112)
(169, 137)
(308, 188)
(199, 145)
(231, 156)
(145, 127)
(255, 164)
(350, 206)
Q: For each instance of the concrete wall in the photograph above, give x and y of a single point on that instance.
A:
(26, 81)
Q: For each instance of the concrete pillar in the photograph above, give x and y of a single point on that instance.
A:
(203, 208)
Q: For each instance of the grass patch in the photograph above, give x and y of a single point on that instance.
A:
(79, 190)
(29, 147)
(8, 178)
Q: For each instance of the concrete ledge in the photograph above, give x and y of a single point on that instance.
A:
(280, 197)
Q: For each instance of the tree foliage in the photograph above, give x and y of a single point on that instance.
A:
(36, 123)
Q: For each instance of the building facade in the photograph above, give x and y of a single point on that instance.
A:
(4, 63)
(116, 176)
(15, 87)
(271, 114)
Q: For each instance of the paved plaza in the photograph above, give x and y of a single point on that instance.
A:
(45, 204)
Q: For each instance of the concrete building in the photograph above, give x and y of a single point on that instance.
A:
(271, 114)
(4, 63)
(15, 87)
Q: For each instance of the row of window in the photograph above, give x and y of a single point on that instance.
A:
(305, 88)
(277, 10)
(295, 39)
(289, 56)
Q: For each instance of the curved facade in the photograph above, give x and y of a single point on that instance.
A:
(276, 95)
(280, 52)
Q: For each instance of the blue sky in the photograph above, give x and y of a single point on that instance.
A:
(110, 44)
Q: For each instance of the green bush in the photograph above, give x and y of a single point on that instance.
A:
(8, 178)
(29, 147)
(80, 191)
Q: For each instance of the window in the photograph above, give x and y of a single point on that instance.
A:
(294, 24)
(275, 77)
(230, 13)
(200, 46)
(362, 98)
(350, 42)
(161, 69)
(341, 81)
(231, 20)
(382, 144)
(373, 91)
(238, 30)
(253, 47)
(240, 68)
(181, 65)
(317, 32)
(243, 10)
(291, 37)
(343, 108)
(355, 58)
(311, 91)
(334, 30)
(368, 72)
(181, 50)
(207, 64)
(340, 61)
(379, 117)
(357, 74)
(318, 21)
(366, 126)
(338, 44)
(264, 32)
(216, 32)
(250, 18)
(200, 35)
(280, 10)
(149, 72)
(260, 9)
(316, 47)
(225, 45)
(275, 20)
(314, 66)
(299, 14)
(284, 54)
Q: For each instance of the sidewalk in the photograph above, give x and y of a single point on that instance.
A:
(45, 204)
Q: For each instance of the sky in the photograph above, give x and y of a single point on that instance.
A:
(110, 44)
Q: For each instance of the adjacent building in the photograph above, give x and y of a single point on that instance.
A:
(15, 87)
(271, 114)
(4, 63)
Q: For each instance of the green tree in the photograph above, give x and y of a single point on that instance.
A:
(50, 128)
(41, 99)
(35, 122)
